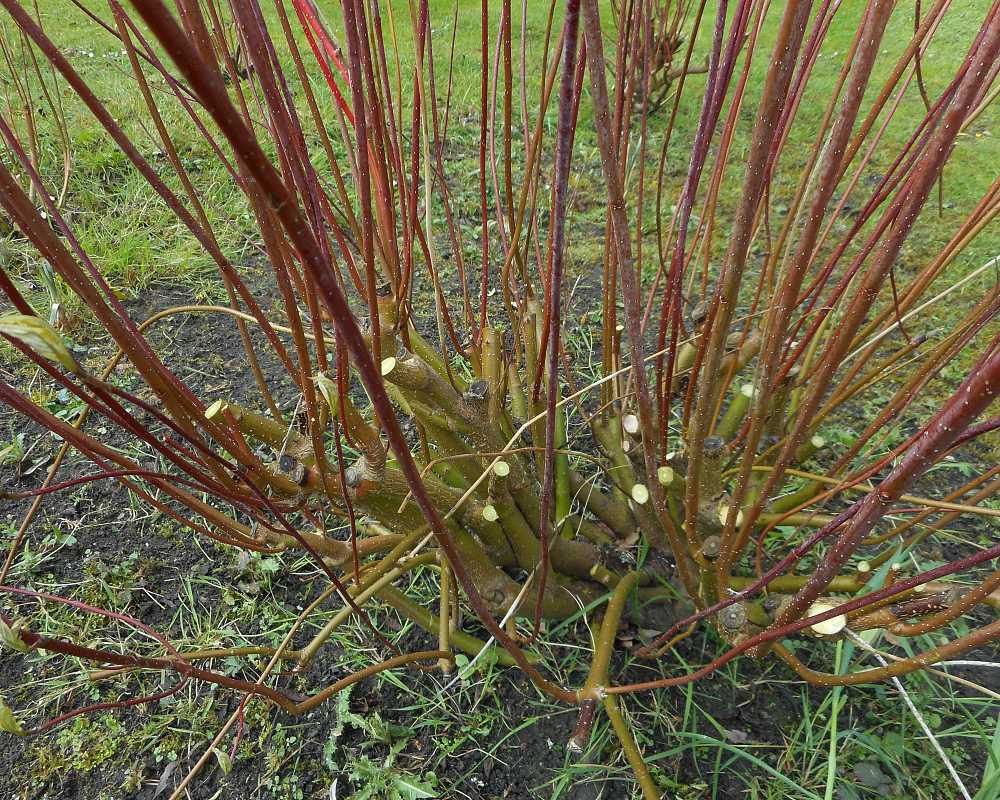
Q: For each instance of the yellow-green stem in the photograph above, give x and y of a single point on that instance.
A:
(635, 760)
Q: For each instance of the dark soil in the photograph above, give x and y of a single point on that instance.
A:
(759, 704)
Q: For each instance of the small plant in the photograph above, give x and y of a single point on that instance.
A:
(451, 430)
(376, 778)
(655, 67)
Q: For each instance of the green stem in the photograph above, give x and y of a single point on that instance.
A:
(563, 491)
(605, 644)
(649, 790)
(360, 594)
(425, 619)
(831, 761)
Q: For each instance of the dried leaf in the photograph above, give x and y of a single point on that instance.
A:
(225, 762)
(8, 722)
(9, 637)
(164, 782)
(41, 337)
(328, 389)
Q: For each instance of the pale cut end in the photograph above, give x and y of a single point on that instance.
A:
(818, 442)
(665, 475)
(215, 409)
(747, 390)
(501, 469)
(864, 567)
(490, 514)
(640, 494)
(388, 365)
(630, 422)
(828, 627)
(724, 515)
(626, 445)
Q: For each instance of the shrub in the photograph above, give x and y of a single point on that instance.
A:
(769, 296)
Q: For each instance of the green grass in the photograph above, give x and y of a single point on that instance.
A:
(707, 727)
(135, 241)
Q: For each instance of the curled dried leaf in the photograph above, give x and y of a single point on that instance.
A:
(41, 337)
(327, 388)
(8, 722)
(10, 638)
